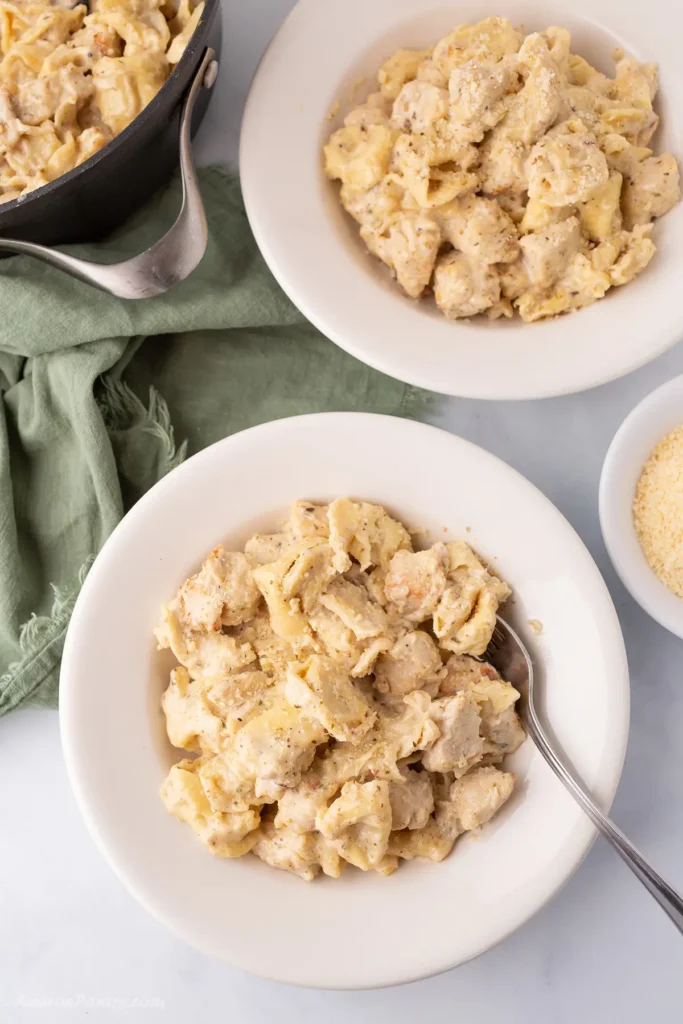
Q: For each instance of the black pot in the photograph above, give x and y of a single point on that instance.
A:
(98, 196)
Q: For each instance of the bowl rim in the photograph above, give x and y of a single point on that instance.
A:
(646, 424)
(583, 834)
(176, 82)
(312, 291)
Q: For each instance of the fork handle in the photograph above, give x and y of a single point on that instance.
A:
(669, 900)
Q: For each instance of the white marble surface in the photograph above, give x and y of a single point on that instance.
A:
(75, 946)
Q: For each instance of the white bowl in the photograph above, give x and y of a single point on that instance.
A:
(314, 249)
(657, 415)
(426, 917)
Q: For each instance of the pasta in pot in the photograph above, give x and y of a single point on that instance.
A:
(502, 172)
(73, 77)
(331, 687)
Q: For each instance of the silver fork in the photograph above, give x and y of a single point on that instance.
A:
(509, 656)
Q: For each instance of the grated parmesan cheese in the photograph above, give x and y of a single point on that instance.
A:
(658, 510)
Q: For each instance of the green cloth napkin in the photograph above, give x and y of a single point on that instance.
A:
(101, 397)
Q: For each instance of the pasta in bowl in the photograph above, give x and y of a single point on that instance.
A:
(352, 296)
(504, 173)
(329, 682)
(72, 78)
(116, 745)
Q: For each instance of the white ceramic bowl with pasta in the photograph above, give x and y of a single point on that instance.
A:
(427, 916)
(328, 56)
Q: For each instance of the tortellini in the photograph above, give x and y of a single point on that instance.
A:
(498, 172)
(330, 689)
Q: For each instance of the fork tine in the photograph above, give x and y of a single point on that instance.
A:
(497, 638)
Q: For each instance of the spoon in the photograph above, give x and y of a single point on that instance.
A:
(175, 255)
(509, 656)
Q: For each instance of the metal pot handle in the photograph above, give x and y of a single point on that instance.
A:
(175, 255)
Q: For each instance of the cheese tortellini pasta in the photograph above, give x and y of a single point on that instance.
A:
(503, 173)
(72, 76)
(331, 698)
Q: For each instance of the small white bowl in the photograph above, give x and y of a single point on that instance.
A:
(361, 930)
(657, 415)
(324, 57)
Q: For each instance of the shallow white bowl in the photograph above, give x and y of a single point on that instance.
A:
(314, 249)
(658, 414)
(362, 930)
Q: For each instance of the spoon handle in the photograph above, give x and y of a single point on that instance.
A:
(669, 900)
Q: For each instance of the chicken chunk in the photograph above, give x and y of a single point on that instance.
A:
(375, 209)
(222, 592)
(546, 253)
(479, 91)
(464, 287)
(500, 725)
(540, 103)
(479, 795)
(503, 732)
(411, 248)
(502, 163)
(430, 843)
(59, 94)
(299, 806)
(412, 801)
(415, 581)
(466, 674)
(279, 744)
(460, 745)
(480, 229)
(413, 663)
(514, 279)
(650, 190)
